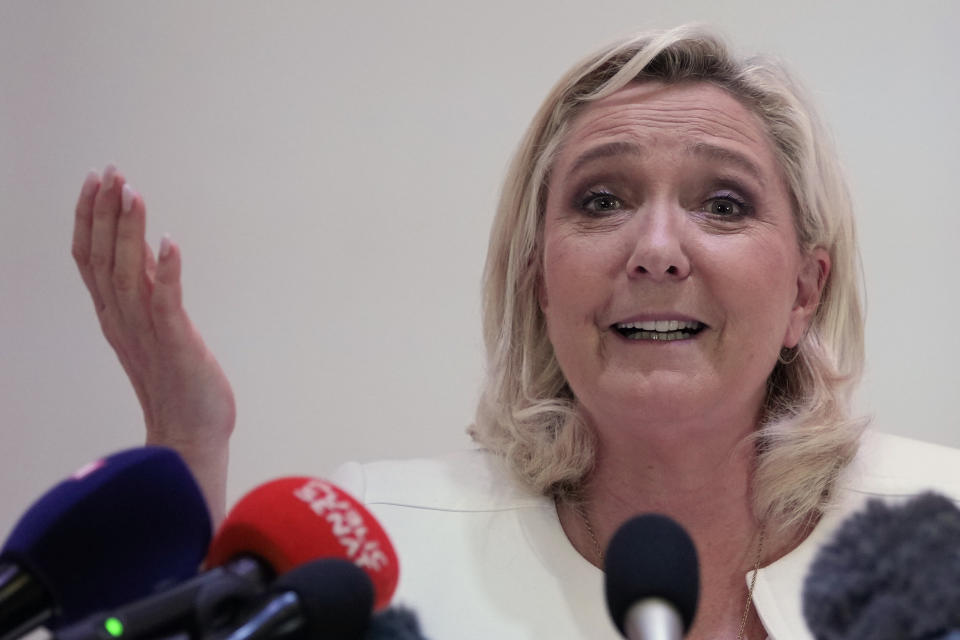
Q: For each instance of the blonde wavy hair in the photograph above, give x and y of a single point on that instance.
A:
(527, 412)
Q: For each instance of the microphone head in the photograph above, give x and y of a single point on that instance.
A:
(336, 598)
(651, 556)
(890, 573)
(115, 531)
(291, 521)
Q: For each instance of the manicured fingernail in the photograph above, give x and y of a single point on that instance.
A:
(90, 184)
(108, 174)
(126, 198)
(164, 245)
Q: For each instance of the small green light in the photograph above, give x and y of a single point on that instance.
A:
(113, 626)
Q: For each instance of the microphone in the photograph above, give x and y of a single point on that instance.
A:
(890, 573)
(652, 579)
(210, 600)
(276, 527)
(331, 598)
(117, 529)
(291, 521)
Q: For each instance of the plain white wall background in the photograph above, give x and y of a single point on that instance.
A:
(330, 172)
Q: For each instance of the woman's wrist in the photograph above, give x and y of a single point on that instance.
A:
(208, 461)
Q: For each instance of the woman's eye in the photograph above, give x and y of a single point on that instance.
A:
(601, 202)
(726, 207)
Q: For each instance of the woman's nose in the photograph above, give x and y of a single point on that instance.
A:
(658, 250)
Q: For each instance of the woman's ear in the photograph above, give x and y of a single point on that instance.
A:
(811, 281)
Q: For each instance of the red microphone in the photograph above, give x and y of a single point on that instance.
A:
(291, 521)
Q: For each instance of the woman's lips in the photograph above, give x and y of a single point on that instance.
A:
(659, 330)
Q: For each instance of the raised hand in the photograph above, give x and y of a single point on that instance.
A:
(186, 398)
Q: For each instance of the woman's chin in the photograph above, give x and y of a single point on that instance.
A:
(670, 398)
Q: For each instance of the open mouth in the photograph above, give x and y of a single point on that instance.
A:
(661, 330)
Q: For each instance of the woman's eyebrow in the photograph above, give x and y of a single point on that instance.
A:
(607, 150)
(703, 149)
(727, 155)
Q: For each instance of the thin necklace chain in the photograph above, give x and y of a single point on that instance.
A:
(581, 509)
(593, 536)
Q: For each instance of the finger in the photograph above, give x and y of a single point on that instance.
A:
(128, 262)
(82, 230)
(150, 265)
(166, 304)
(106, 208)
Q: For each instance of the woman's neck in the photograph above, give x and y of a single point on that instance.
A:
(698, 476)
(696, 471)
(705, 488)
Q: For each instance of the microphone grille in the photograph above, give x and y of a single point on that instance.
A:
(291, 521)
(651, 556)
(115, 531)
(336, 597)
(890, 572)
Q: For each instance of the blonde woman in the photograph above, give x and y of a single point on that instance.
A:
(673, 324)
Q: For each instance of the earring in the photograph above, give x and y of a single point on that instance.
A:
(795, 352)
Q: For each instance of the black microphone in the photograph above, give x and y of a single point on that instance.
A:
(652, 578)
(330, 598)
(337, 602)
(890, 573)
(212, 599)
(116, 530)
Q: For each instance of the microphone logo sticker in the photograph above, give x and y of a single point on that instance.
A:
(87, 469)
(347, 523)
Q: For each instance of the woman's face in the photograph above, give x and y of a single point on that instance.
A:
(671, 271)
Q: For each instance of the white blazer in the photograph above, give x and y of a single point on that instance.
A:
(481, 556)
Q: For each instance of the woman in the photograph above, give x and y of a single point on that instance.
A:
(673, 324)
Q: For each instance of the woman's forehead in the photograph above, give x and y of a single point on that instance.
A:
(692, 116)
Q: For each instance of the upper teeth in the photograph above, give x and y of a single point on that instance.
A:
(660, 325)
